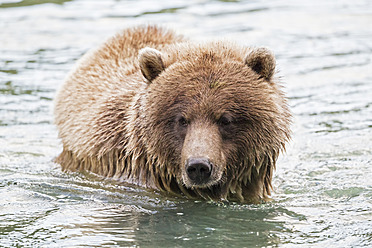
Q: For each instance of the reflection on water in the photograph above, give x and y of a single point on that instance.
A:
(323, 192)
(90, 212)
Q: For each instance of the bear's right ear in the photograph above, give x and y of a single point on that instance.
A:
(150, 63)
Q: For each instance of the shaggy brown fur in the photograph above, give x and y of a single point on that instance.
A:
(140, 106)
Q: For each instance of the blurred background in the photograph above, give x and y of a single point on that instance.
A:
(323, 186)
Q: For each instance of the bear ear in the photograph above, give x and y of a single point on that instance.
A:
(150, 63)
(262, 61)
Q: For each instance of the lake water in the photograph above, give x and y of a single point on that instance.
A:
(323, 183)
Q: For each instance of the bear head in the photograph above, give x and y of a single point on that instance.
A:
(211, 116)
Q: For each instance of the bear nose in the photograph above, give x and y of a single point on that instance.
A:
(198, 170)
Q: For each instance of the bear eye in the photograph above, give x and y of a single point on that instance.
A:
(182, 121)
(225, 120)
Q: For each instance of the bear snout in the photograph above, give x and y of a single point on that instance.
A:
(199, 170)
(202, 158)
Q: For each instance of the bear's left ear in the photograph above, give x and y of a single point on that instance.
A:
(262, 61)
(150, 63)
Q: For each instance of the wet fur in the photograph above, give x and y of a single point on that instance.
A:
(110, 125)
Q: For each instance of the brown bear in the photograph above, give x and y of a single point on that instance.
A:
(154, 109)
